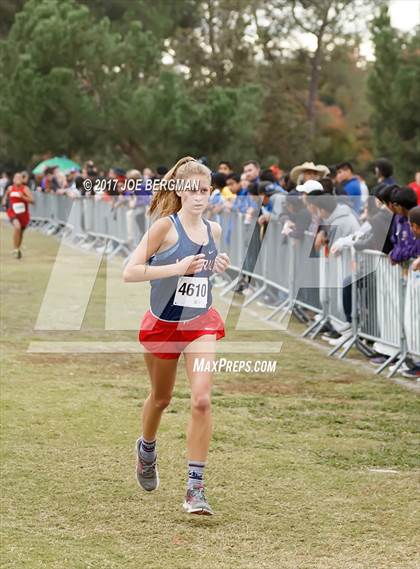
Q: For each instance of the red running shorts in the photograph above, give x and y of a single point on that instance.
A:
(167, 340)
(23, 218)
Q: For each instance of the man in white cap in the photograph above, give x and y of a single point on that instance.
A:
(315, 188)
(309, 187)
(308, 171)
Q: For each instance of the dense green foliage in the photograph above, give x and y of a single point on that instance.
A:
(394, 90)
(139, 82)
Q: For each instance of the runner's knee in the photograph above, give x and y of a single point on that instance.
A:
(201, 403)
(161, 402)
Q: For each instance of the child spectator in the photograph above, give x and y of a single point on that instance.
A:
(233, 182)
(378, 237)
(414, 219)
(403, 239)
(218, 181)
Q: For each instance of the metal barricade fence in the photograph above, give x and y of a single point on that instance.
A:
(339, 277)
(86, 219)
(88, 214)
(141, 223)
(278, 250)
(234, 229)
(62, 208)
(385, 308)
(101, 212)
(412, 312)
(234, 244)
(335, 273)
(41, 210)
(306, 296)
(75, 220)
(37, 210)
(379, 298)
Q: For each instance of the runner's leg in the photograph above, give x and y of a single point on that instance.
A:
(17, 234)
(20, 237)
(200, 426)
(162, 374)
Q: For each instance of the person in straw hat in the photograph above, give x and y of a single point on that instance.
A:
(308, 171)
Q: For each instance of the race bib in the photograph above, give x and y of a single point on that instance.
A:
(18, 208)
(192, 292)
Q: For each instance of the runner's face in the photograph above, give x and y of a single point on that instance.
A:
(195, 200)
(17, 179)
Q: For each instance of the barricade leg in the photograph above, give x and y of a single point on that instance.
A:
(282, 307)
(230, 286)
(385, 364)
(255, 295)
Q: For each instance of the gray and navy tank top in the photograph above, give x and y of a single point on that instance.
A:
(177, 299)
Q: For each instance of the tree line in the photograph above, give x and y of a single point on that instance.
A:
(137, 82)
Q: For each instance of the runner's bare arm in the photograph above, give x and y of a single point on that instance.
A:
(27, 195)
(216, 231)
(222, 260)
(137, 269)
(3, 201)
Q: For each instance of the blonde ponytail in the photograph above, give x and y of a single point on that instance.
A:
(165, 202)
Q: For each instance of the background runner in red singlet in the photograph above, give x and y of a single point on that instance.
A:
(19, 197)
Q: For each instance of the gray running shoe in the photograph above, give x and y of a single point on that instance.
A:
(195, 501)
(146, 472)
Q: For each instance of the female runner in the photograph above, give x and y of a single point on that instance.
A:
(178, 255)
(19, 196)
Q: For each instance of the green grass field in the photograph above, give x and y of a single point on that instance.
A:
(299, 468)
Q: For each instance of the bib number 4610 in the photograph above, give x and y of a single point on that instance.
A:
(191, 292)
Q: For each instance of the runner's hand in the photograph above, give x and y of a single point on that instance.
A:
(221, 263)
(190, 265)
